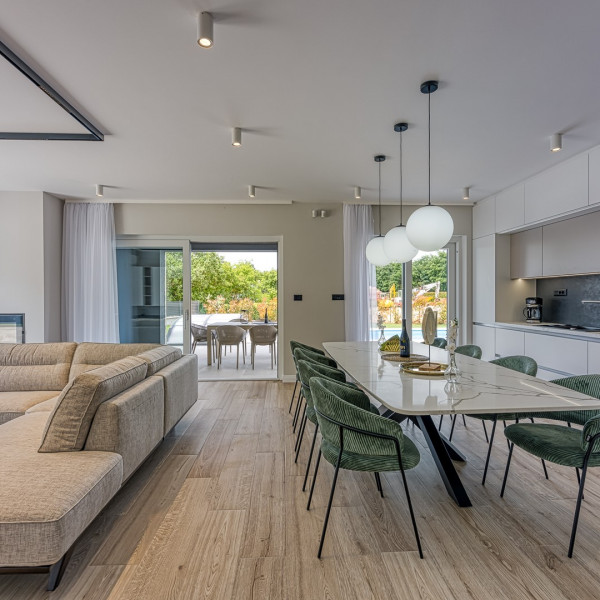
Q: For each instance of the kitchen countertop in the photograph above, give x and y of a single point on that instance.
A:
(542, 328)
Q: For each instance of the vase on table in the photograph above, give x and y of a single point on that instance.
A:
(452, 372)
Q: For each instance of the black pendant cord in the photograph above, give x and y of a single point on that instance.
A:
(429, 150)
(401, 219)
(379, 165)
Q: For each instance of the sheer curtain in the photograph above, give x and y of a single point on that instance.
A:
(89, 274)
(359, 273)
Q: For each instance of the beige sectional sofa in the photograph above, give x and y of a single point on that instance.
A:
(76, 420)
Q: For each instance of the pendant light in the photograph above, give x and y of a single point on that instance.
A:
(396, 244)
(430, 227)
(375, 252)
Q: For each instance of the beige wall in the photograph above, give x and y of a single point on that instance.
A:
(53, 227)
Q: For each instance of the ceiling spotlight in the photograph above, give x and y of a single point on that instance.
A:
(251, 191)
(99, 190)
(466, 195)
(357, 191)
(556, 143)
(205, 30)
(236, 136)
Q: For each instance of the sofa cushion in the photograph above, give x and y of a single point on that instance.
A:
(160, 357)
(91, 355)
(47, 500)
(69, 423)
(15, 404)
(35, 367)
(45, 406)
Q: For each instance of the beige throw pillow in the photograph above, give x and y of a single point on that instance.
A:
(69, 423)
(160, 357)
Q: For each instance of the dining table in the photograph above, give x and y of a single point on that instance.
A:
(210, 328)
(480, 388)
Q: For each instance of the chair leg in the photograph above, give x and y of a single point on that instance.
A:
(293, 394)
(298, 408)
(441, 421)
(512, 446)
(410, 508)
(545, 470)
(452, 428)
(312, 448)
(302, 419)
(578, 476)
(487, 439)
(489, 452)
(378, 481)
(300, 437)
(312, 485)
(577, 509)
(335, 476)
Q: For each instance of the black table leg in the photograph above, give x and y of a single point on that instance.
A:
(442, 452)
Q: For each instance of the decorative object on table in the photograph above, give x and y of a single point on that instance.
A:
(429, 327)
(375, 251)
(266, 315)
(395, 357)
(404, 341)
(425, 369)
(391, 345)
(452, 372)
(430, 227)
(380, 325)
(244, 318)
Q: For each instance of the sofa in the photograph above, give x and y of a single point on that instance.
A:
(76, 421)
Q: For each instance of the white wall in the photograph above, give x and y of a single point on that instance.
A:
(53, 227)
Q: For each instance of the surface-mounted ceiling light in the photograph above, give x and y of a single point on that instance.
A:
(430, 227)
(357, 192)
(375, 251)
(236, 137)
(99, 190)
(251, 191)
(205, 30)
(556, 142)
(396, 244)
(466, 194)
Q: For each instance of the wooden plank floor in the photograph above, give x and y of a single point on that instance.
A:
(218, 512)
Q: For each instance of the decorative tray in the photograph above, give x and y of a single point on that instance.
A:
(415, 368)
(395, 356)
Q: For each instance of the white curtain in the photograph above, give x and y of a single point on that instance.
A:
(89, 274)
(359, 273)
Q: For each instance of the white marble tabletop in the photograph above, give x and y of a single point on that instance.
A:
(482, 387)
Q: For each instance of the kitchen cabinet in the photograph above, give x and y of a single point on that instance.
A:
(594, 357)
(509, 342)
(484, 218)
(484, 283)
(558, 353)
(485, 338)
(559, 190)
(510, 208)
(572, 246)
(526, 253)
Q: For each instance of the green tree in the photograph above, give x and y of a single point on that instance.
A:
(174, 276)
(389, 275)
(430, 269)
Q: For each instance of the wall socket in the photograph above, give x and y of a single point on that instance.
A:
(562, 292)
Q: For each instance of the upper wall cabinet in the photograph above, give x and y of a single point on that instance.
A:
(510, 208)
(559, 190)
(595, 176)
(526, 253)
(484, 218)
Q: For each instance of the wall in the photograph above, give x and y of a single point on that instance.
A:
(53, 227)
(312, 253)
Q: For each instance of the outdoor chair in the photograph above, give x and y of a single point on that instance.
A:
(231, 335)
(263, 335)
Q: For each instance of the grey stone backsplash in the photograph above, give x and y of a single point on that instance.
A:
(569, 309)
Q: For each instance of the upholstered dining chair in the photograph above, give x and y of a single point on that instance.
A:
(263, 335)
(355, 439)
(293, 345)
(440, 343)
(231, 335)
(561, 445)
(469, 350)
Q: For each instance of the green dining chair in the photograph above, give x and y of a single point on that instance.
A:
(307, 370)
(440, 343)
(561, 445)
(469, 350)
(293, 345)
(355, 439)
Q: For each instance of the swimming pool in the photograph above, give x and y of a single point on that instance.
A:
(416, 335)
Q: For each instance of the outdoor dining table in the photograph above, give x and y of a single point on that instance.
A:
(213, 326)
(482, 387)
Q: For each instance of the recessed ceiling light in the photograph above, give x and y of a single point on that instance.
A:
(251, 191)
(205, 30)
(236, 137)
(466, 194)
(99, 190)
(357, 192)
(556, 143)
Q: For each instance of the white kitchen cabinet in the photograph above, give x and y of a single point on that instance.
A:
(559, 190)
(510, 208)
(558, 353)
(484, 218)
(484, 283)
(593, 357)
(485, 338)
(526, 253)
(572, 246)
(594, 167)
(509, 342)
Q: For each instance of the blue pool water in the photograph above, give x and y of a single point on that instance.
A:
(415, 337)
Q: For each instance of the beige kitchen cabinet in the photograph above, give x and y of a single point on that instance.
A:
(526, 253)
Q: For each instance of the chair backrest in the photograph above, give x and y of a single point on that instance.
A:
(294, 344)
(308, 369)
(440, 343)
(302, 354)
(522, 364)
(586, 384)
(263, 334)
(469, 350)
(199, 332)
(230, 334)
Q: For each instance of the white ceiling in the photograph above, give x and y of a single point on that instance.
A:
(316, 86)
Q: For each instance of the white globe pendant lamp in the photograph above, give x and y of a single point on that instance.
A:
(430, 227)
(375, 251)
(396, 244)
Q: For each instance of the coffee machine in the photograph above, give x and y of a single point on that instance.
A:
(533, 310)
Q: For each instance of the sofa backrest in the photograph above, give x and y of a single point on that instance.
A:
(35, 367)
(91, 355)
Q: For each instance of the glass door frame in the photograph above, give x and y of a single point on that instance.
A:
(182, 245)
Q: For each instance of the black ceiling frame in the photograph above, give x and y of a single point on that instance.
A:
(94, 135)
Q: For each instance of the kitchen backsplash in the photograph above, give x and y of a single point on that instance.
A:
(569, 308)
